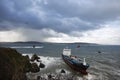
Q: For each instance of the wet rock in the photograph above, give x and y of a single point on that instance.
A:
(35, 57)
(42, 65)
(34, 68)
(38, 77)
(63, 71)
(49, 76)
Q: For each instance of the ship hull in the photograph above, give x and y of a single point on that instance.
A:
(73, 64)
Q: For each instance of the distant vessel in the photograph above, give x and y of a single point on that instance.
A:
(74, 62)
(99, 52)
(34, 46)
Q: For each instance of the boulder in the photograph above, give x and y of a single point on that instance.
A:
(42, 65)
(34, 68)
(35, 57)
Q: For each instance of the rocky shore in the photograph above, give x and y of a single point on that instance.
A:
(14, 66)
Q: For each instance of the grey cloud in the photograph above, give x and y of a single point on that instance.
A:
(61, 16)
(89, 10)
(94, 11)
(38, 35)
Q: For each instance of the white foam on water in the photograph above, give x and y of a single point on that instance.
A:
(50, 62)
(66, 71)
(30, 55)
(27, 47)
(89, 77)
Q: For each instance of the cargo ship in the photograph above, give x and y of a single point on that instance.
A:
(74, 62)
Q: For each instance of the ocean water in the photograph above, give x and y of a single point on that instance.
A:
(103, 66)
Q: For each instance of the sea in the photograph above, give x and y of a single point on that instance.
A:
(104, 60)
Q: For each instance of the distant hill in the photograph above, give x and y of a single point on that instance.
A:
(30, 42)
(35, 42)
(86, 43)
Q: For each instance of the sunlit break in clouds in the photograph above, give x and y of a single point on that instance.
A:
(91, 21)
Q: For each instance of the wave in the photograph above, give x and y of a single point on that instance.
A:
(101, 68)
(54, 65)
(27, 47)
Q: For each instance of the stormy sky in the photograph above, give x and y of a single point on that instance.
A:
(92, 21)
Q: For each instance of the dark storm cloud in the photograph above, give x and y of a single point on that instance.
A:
(61, 16)
(88, 10)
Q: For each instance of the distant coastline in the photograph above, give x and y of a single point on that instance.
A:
(77, 43)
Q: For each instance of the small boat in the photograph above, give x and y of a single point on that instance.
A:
(34, 46)
(99, 52)
(74, 62)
